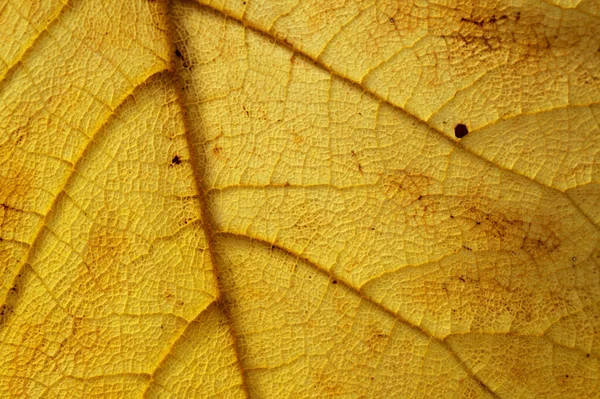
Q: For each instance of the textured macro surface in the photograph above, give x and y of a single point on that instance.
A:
(299, 198)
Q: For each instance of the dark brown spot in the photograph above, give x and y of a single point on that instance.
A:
(178, 53)
(176, 160)
(472, 21)
(392, 20)
(334, 282)
(460, 131)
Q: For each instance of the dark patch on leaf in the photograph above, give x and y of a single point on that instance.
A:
(460, 131)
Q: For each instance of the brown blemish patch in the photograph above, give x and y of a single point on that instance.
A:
(416, 194)
(327, 384)
(184, 61)
(506, 231)
(103, 255)
(9, 302)
(310, 220)
(297, 138)
(482, 40)
(405, 187)
(492, 32)
(11, 221)
(358, 164)
(16, 188)
(377, 340)
(216, 150)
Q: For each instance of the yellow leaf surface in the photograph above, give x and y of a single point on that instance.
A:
(270, 199)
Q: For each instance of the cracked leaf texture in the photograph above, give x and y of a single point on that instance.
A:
(266, 199)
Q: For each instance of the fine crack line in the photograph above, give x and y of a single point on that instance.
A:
(318, 63)
(353, 289)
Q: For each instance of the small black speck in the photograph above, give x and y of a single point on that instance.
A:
(178, 53)
(587, 355)
(176, 160)
(460, 131)
(334, 282)
(567, 375)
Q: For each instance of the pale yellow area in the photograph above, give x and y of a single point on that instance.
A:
(534, 144)
(590, 6)
(482, 64)
(566, 3)
(380, 200)
(304, 334)
(202, 363)
(22, 22)
(55, 99)
(105, 259)
(525, 367)
(121, 264)
(265, 198)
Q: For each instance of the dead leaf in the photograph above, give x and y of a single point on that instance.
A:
(299, 199)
